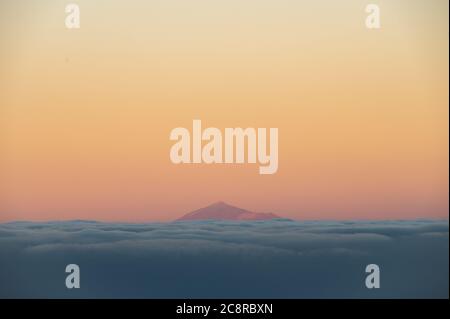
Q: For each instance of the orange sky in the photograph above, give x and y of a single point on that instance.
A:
(85, 115)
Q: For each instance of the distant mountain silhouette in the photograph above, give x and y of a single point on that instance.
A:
(223, 211)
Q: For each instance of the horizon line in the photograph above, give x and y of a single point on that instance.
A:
(221, 220)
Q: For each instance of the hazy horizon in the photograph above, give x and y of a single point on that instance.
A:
(175, 219)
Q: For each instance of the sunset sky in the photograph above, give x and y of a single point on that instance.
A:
(85, 114)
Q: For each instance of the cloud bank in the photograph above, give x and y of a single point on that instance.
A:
(214, 259)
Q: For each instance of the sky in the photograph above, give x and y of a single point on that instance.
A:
(85, 114)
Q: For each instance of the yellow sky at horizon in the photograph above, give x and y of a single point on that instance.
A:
(85, 115)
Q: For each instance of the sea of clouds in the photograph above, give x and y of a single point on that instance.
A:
(218, 259)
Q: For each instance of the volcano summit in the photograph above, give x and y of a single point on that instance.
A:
(223, 211)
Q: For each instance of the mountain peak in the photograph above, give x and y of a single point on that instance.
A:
(219, 203)
(223, 211)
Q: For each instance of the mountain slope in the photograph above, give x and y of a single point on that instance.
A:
(223, 211)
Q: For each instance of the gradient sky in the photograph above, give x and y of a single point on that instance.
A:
(85, 115)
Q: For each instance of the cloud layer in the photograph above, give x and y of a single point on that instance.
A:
(213, 259)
